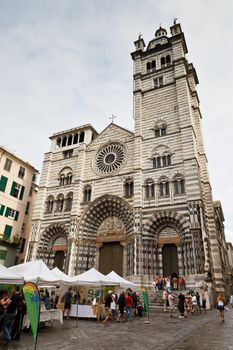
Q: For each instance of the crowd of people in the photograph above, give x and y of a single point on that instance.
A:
(119, 308)
(188, 302)
(171, 282)
(192, 302)
(12, 311)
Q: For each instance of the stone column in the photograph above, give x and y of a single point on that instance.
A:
(97, 256)
(194, 253)
(160, 260)
(124, 258)
(71, 259)
(185, 259)
(34, 250)
(180, 263)
(135, 257)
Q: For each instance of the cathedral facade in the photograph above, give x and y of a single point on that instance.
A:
(139, 203)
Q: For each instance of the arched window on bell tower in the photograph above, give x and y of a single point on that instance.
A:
(87, 193)
(69, 201)
(128, 188)
(179, 184)
(164, 188)
(49, 205)
(163, 61)
(160, 128)
(59, 203)
(149, 189)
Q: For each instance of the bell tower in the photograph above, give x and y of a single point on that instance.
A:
(169, 143)
(157, 71)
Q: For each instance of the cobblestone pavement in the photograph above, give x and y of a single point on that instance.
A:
(163, 332)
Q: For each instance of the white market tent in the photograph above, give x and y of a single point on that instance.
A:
(9, 277)
(65, 278)
(122, 281)
(36, 271)
(93, 277)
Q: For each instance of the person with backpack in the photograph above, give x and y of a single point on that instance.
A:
(11, 310)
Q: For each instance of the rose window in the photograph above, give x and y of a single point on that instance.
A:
(110, 158)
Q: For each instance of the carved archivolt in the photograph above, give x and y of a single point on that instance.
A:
(161, 219)
(97, 216)
(50, 235)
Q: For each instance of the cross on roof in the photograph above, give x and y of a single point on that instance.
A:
(113, 117)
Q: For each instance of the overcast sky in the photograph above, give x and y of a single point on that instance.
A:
(64, 63)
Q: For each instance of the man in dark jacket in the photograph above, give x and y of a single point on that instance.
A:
(181, 300)
(121, 303)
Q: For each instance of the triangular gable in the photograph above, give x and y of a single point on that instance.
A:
(112, 132)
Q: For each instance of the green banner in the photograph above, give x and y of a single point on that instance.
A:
(32, 299)
(145, 298)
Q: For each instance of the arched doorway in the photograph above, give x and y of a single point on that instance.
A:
(59, 247)
(104, 227)
(53, 247)
(170, 260)
(166, 232)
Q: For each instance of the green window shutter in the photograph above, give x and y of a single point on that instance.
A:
(3, 183)
(16, 215)
(7, 212)
(2, 254)
(2, 207)
(7, 232)
(21, 192)
(13, 188)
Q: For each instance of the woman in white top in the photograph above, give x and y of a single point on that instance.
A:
(194, 304)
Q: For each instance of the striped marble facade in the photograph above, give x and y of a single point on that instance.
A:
(164, 159)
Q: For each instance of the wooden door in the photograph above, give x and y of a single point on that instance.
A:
(170, 260)
(111, 258)
(59, 259)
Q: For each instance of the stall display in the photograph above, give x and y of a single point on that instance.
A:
(91, 284)
(85, 305)
(50, 316)
(83, 311)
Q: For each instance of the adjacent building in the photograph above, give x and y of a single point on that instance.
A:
(17, 196)
(140, 202)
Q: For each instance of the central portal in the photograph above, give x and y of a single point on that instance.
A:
(111, 258)
(170, 260)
